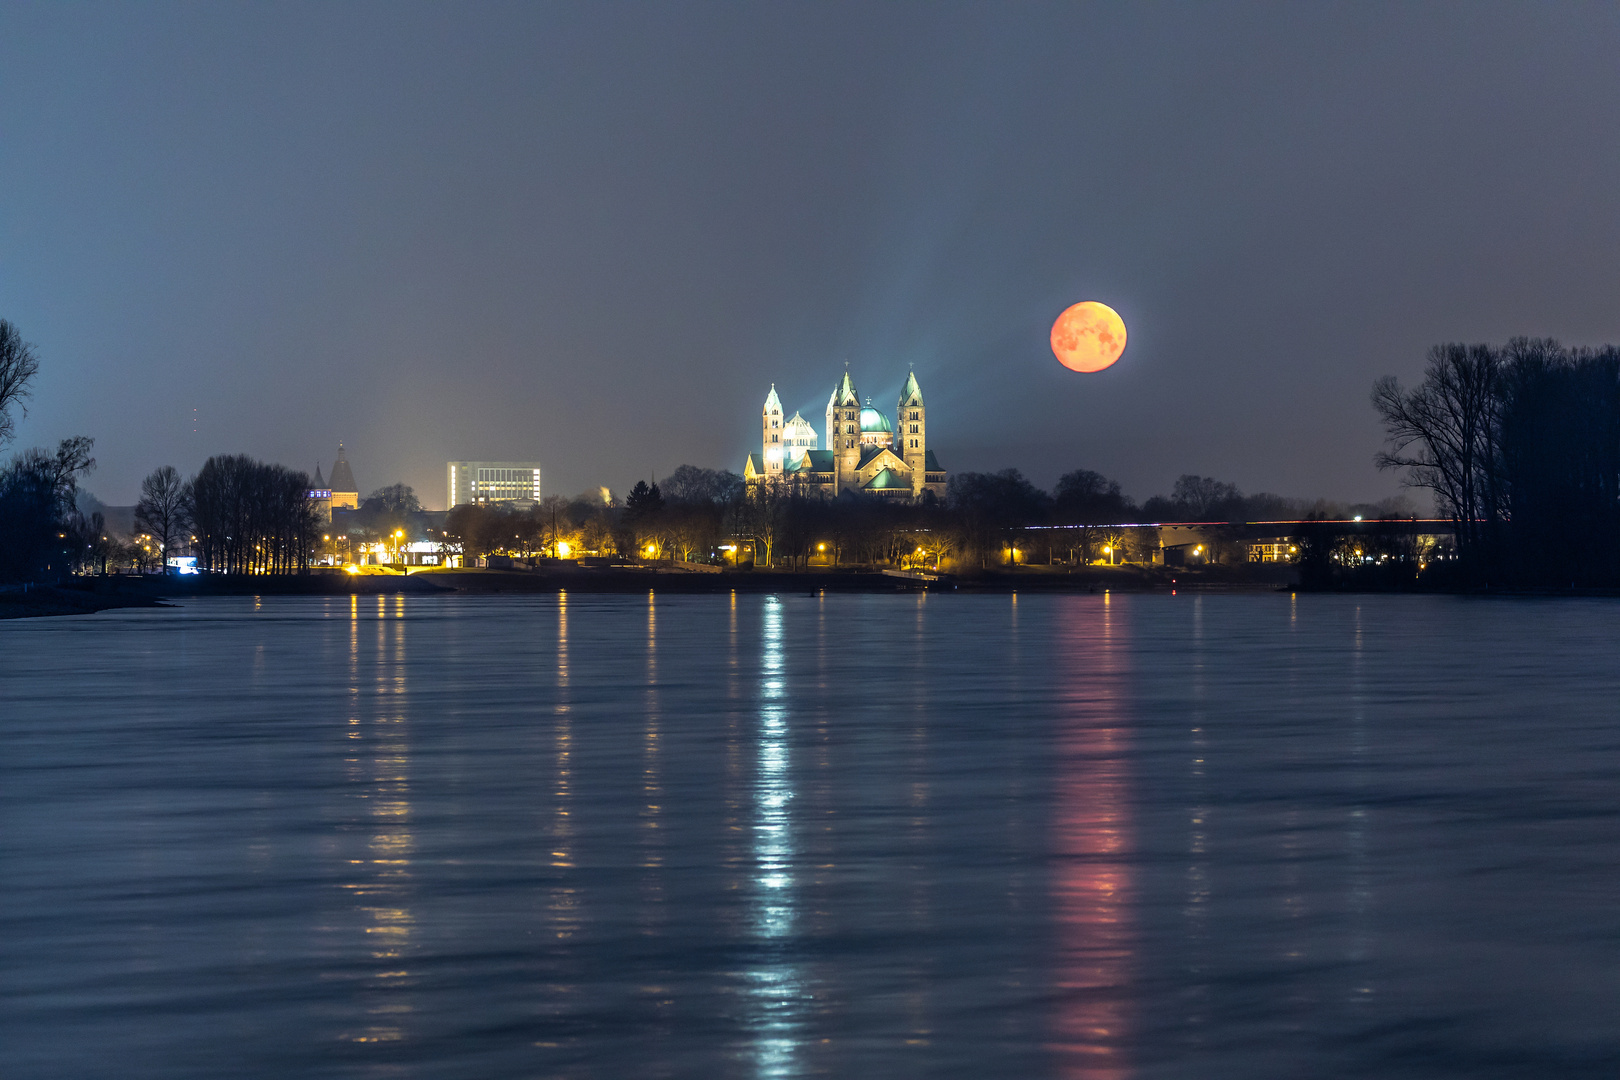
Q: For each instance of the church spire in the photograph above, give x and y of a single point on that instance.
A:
(844, 393)
(911, 432)
(911, 393)
(771, 435)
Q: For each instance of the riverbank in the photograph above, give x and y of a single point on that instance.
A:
(39, 601)
(86, 595)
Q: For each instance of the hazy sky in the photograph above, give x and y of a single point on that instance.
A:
(595, 234)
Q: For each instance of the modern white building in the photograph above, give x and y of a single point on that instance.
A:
(515, 483)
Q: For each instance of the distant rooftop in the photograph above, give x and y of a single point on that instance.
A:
(342, 476)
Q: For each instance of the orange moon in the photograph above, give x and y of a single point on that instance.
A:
(1088, 336)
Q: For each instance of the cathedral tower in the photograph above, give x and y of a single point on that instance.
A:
(844, 430)
(771, 423)
(911, 432)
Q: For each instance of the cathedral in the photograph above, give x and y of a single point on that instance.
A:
(865, 453)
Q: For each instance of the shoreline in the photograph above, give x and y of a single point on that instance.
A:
(89, 595)
(45, 601)
(86, 596)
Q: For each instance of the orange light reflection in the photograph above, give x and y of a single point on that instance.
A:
(1091, 889)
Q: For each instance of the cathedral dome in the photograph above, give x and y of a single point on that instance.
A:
(873, 420)
(797, 433)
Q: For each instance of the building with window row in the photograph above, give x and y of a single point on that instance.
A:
(511, 483)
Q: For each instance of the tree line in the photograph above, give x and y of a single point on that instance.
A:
(1520, 446)
(985, 520)
(237, 515)
(246, 516)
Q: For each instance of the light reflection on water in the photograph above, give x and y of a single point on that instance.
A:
(775, 982)
(1091, 889)
(378, 773)
(593, 836)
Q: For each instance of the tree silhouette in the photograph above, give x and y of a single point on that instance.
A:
(162, 510)
(18, 366)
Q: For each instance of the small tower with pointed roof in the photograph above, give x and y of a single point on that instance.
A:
(911, 432)
(345, 495)
(320, 496)
(771, 423)
(844, 430)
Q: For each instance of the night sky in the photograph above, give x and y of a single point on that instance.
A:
(594, 235)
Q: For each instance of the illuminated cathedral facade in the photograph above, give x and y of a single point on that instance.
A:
(866, 452)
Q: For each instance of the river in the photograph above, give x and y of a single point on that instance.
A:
(1090, 836)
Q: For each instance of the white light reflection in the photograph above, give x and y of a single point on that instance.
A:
(379, 882)
(652, 787)
(776, 984)
(1360, 907)
(920, 909)
(1199, 822)
(562, 831)
(564, 906)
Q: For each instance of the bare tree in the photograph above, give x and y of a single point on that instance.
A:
(162, 511)
(1444, 433)
(1203, 498)
(764, 517)
(18, 365)
(1114, 538)
(101, 546)
(690, 484)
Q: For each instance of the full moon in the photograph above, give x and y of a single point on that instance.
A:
(1088, 336)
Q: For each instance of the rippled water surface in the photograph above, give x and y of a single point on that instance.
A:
(713, 836)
